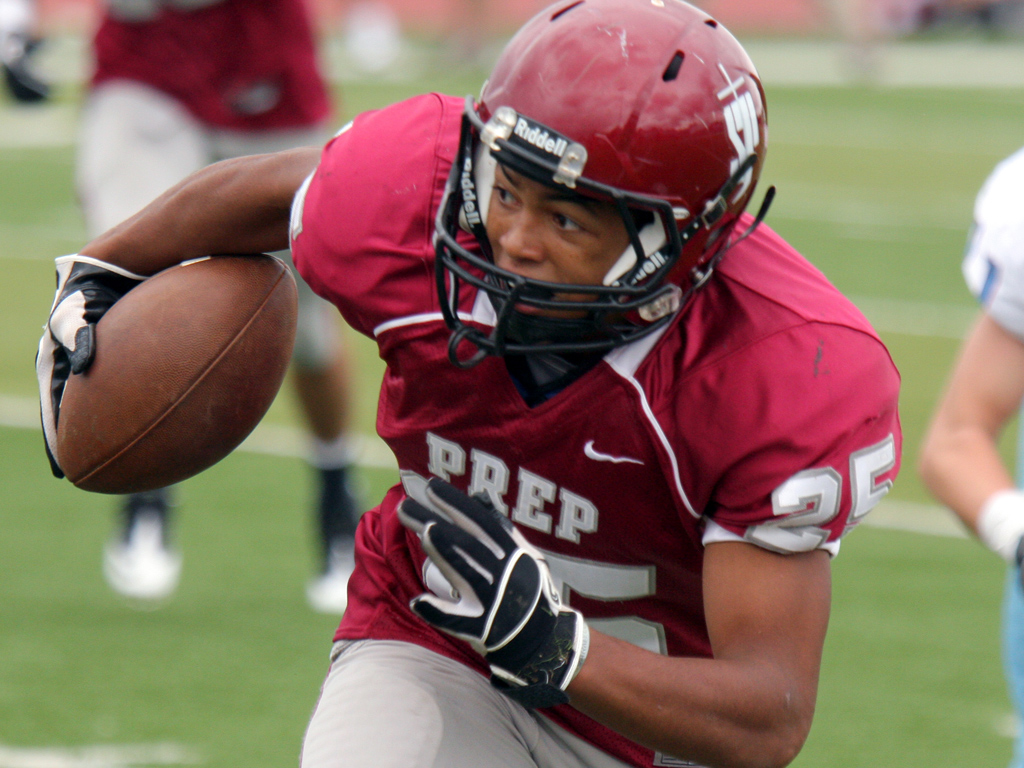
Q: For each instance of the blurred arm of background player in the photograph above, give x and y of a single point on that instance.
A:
(960, 462)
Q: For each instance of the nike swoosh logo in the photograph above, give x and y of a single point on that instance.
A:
(590, 453)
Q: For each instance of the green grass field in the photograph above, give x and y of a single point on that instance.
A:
(875, 187)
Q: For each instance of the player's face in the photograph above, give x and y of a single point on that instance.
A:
(552, 235)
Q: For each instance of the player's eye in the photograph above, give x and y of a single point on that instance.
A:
(504, 196)
(564, 222)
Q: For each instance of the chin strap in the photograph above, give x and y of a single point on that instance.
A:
(472, 336)
(769, 196)
(701, 273)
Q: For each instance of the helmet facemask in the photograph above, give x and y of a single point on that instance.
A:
(635, 297)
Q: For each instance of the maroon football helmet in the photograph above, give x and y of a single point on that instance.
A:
(650, 104)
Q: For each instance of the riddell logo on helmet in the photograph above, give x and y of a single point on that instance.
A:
(469, 206)
(540, 138)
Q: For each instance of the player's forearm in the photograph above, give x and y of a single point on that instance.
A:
(717, 713)
(235, 206)
(962, 468)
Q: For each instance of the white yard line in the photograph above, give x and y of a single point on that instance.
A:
(917, 318)
(918, 64)
(929, 519)
(859, 205)
(38, 127)
(266, 439)
(279, 440)
(19, 412)
(100, 756)
(786, 62)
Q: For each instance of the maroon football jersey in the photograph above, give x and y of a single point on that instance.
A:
(765, 412)
(236, 64)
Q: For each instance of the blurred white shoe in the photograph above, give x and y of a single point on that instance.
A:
(373, 36)
(138, 563)
(328, 592)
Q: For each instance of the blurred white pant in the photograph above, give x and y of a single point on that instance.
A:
(389, 704)
(136, 142)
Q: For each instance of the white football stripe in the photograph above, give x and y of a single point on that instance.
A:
(372, 452)
(101, 756)
(918, 318)
(267, 439)
(929, 519)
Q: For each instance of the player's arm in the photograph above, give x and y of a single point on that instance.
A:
(234, 206)
(959, 461)
(752, 704)
(237, 206)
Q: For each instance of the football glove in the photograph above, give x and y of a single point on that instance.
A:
(505, 603)
(86, 289)
(22, 81)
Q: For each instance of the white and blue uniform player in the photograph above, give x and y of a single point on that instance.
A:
(960, 461)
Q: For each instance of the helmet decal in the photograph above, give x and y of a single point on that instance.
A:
(741, 124)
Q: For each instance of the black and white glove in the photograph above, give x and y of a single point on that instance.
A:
(505, 602)
(86, 289)
(24, 83)
(17, 45)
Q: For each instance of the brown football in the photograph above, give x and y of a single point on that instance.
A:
(187, 363)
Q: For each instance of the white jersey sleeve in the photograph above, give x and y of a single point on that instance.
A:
(994, 262)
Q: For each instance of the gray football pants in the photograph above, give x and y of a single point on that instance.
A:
(135, 142)
(389, 704)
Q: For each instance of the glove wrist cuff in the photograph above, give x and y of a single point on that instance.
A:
(581, 646)
(542, 681)
(81, 258)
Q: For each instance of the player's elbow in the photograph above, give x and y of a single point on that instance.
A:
(779, 748)
(786, 749)
(931, 460)
(774, 744)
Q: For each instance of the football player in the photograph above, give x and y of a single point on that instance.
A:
(632, 425)
(179, 84)
(960, 461)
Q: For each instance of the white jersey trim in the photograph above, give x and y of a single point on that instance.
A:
(625, 361)
(401, 322)
(298, 207)
(81, 258)
(483, 313)
(715, 533)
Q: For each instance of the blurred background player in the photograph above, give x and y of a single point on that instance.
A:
(179, 84)
(960, 460)
(17, 44)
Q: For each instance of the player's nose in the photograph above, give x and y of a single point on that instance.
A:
(520, 240)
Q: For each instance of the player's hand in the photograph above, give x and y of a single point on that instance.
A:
(22, 80)
(506, 606)
(86, 289)
(17, 19)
